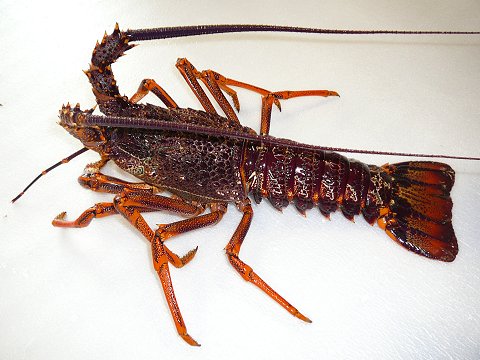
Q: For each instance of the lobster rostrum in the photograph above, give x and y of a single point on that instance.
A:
(208, 161)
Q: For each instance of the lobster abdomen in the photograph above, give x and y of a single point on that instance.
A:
(307, 178)
(410, 201)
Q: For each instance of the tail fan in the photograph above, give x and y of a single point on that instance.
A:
(419, 213)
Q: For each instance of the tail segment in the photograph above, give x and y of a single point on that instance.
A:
(100, 73)
(418, 210)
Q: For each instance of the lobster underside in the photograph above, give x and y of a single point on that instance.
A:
(410, 201)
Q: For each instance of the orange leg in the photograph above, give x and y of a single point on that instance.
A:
(215, 87)
(109, 184)
(160, 262)
(178, 261)
(168, 230)
(94, 180)
(148, 85)
(105, 209)
(125, 204)
(130, 203)
(143, 193)
(190, 74)
(98, 210)
(233, 249)
(272, 98)
(216, 82)
(268, 97)
(138, 201)
(141, 203)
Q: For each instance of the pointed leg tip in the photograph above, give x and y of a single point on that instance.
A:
(61, 215)
(304, 318)
(60, 218)
(189, 340)
(189, 256)
(277, 104)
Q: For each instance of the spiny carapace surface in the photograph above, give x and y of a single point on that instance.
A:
(207, 161)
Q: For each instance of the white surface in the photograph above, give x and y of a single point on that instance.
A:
(92, 293)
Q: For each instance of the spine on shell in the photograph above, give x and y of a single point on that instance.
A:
(100, 72)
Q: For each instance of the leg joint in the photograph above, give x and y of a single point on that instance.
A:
(243, 269)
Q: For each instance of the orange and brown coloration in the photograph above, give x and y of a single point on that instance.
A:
(420, 213)
(410, 201)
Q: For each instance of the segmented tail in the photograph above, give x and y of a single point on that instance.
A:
(418, 214)
(100, 73)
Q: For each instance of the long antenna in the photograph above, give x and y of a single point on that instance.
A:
(180, 31)
(154, 124)
(44, 172)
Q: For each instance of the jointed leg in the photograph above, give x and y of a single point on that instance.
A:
(272, 98)
(268, 97)
(94, 180)
(190, 74)
(130, 203)
(142, 193)
(109, 184)
(233, 248)
(148, 85)
(161, 253)
(216, 82)
(98, 210)
(166, 231)
(137, 200)
(215, 87)
(178, 261)
(160, 263)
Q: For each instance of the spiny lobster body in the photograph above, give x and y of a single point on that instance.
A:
(205, 168)
(410, 201)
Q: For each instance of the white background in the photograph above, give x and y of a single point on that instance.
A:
(93, 294)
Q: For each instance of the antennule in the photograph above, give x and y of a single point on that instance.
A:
(44, 172)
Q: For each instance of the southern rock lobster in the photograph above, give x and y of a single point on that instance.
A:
(207, 161)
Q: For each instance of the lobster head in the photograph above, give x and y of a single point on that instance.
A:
(73, 120)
